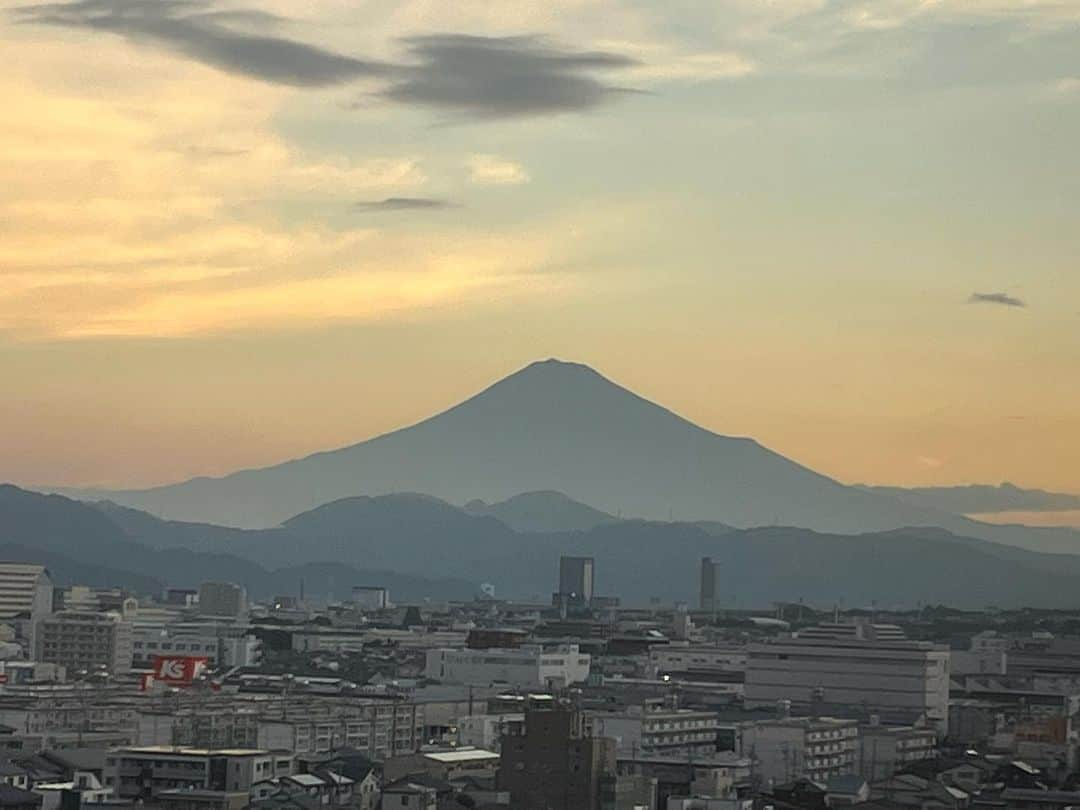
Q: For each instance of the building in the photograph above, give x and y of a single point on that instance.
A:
(555, 761)
(366, 597)
(659, 727)
(25, 590)
(144, 773)
(789, 748)
(884, 750)
(527, 666)
(576, 580)
(88, 642)
(222, 646)
(698, 662)
(222, 599)
(852, 670)
(454, 765)
(487, 730)
(378, 729)
(707, 594)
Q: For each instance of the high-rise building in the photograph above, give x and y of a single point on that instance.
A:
(80, 640)
(25, 589)
(707, 594)
(554, 761)
(576, 580)
(222, 599)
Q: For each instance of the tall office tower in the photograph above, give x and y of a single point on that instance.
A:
(554, 761)
(707, 596)
(576, 580)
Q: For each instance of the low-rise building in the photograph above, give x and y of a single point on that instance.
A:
(817, 748)
(658, 727)
(143, 773)
(527, 666)
(884, 750)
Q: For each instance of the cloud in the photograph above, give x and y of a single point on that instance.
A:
(485, 77)
(491, 170)
(404, 204)
(999, 298)
(193, 29)
(503, 77)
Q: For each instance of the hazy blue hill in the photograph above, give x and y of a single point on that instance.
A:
(547, 511)
(82, 545)
(551, 426)
(982, 498)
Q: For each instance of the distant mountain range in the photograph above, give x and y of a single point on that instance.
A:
(977, 499)
(422, 547)
(562, 426)
(542, 512)
(104, 546)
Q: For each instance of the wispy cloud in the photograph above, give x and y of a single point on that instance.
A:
(999, 298)
(491, 170)
(404, 204)
(194, 29)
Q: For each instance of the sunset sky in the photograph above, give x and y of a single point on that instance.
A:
(234, 233)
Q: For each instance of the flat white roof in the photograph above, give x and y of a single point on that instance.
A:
(462, 756)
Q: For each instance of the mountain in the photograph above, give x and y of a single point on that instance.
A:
(102, 544)
(981, 498)
(562, 426)
(636, 559)
(542, 512)
(551, 426)
(422, 547)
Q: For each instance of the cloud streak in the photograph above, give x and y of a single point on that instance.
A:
(998, 298)
(404, 204)
(193, 29)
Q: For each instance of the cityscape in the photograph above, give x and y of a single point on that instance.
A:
(539, 405)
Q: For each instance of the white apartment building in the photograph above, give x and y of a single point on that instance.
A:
(659, 728)
(789, 748)
(861, 669)
(25, 589)
(527, 666)
(379, 729)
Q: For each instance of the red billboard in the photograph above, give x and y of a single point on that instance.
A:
(178, 670)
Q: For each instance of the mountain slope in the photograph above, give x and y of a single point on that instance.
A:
(981, 498)
(562, 426)
(542, 512)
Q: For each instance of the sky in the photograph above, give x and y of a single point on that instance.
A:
(233, 233)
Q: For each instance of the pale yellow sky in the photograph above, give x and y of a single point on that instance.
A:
(210, 260)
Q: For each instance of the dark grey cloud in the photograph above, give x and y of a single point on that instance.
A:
(503, 77)
(194, 29)
(999, 298)
(404, 204)
(468, 76)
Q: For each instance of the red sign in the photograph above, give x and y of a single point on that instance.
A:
(178, 670)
